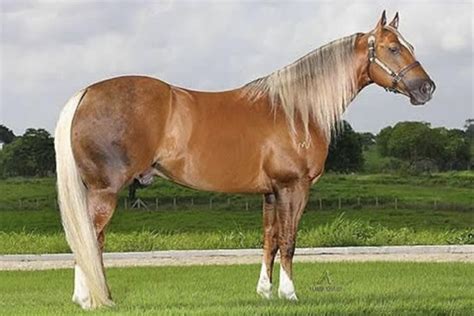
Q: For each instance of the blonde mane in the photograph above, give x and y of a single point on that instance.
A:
(316, 88)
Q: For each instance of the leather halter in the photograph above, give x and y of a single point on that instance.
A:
(396, 76)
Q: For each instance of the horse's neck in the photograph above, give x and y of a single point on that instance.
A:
(316, 88)
(361, 80)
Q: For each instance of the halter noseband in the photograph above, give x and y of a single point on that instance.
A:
(396, 76)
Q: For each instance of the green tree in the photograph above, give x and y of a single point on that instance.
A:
(6, 134)
(469, 126)
(428, 148)
(469, 136)
(458, 150)
(29, 155)
(382, 140)
(413, 142)
(345, 151)
(367, 139)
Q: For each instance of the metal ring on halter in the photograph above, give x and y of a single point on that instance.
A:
(396, 76)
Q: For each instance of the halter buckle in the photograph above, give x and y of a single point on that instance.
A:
(371, 44)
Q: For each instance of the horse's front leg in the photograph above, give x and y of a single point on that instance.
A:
(270, 245)
(290, 203)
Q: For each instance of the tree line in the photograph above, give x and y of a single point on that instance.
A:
(31, 154)
(407, 146)
(421, 147)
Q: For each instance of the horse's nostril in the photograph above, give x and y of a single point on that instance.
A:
(427, 88)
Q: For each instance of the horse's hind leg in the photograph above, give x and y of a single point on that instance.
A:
(101, 204)
(270, 246)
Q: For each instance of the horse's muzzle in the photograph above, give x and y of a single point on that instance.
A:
(422, 91)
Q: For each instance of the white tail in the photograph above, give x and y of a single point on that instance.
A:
(80, 232)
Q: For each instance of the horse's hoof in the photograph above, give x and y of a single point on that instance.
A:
(83, 302)
(287, 296)
(265, 292)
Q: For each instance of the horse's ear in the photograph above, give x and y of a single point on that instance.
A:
(383, 20)
(395, 21)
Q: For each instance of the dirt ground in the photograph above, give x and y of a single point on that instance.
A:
(184, 258)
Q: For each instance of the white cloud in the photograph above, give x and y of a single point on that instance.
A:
(51, 49)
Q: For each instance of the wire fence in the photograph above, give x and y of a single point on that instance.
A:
(249, 203)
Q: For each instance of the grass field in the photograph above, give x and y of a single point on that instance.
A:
(38, 230)
(449, 187)
(323, 288)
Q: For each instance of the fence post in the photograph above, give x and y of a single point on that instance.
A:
(339, 202)
(358, 201)
(192, 201)
(228, 201)
(174, 202)
(156, 204)
(320, 204)
(396, 203)
(19, 203)
(376, 201)
(435, 204)
(246, 205)
(210, 203)
(125, 204)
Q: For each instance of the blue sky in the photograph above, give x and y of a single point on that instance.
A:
(50, 49)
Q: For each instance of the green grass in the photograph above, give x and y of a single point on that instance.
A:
(449, 187)
(324, 288)
(455, 187)
(183, 230)
(26, 188)
(231, 226)
(204, 220)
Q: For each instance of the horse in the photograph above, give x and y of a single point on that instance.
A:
(268, 137)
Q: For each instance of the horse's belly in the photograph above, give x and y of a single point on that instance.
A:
(217, 169)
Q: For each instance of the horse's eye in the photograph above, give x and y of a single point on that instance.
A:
(394, 49)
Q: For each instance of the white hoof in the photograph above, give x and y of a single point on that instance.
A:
(264, 287)
(287, 296)
(83, 302)
(286, 290)
(265, 293)
(81, 295)
(264, 290)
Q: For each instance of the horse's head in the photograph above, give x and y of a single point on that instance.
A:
(393, 65)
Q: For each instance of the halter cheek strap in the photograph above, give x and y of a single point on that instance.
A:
(396, 76)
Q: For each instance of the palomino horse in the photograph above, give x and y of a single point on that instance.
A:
(269, 137)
